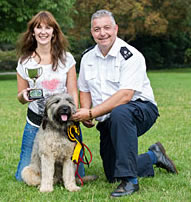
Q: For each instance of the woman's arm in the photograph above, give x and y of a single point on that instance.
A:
(71, 84)
(23, 88)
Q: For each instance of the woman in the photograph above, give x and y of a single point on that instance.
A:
(43, 46)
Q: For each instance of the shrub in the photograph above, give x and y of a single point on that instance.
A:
(8, 60)
(187, 56)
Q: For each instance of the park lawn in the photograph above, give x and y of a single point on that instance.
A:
(172, 91)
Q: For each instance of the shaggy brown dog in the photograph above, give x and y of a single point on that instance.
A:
(52, 147)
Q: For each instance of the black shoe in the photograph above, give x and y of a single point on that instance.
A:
(125, 188)
(163, 161)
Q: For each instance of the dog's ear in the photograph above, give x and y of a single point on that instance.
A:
(44, 123)
(44, 120)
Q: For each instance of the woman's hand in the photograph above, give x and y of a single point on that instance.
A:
(23, 96)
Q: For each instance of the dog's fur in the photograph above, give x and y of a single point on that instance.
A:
(52, 147)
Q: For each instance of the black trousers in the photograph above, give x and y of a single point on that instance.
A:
(119, 140)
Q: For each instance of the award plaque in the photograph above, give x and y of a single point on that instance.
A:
(34, 74)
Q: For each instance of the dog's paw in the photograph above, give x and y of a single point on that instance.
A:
(72, 188)
(46, 188)
(30, 176)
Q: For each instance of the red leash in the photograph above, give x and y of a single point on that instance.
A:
(80, 160)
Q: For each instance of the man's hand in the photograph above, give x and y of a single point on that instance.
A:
(88, 123)
(82, 114)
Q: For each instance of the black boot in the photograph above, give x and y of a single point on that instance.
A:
(163, 161)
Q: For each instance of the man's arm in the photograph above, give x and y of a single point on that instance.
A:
(85, 100)
(120, 97)
(86, 103)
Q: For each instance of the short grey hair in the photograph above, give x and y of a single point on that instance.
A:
(102, 13)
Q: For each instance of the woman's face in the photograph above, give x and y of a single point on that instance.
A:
(43, 34)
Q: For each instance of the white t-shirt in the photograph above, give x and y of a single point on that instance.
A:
(51, 82)
(104, 76)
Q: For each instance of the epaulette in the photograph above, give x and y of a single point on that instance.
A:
(125, 52)
(87, 50)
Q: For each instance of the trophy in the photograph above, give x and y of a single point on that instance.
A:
(34, 74)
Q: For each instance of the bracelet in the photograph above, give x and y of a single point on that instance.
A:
(90, 114)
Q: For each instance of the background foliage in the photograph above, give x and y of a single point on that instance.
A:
(160, 29)
(14, 15)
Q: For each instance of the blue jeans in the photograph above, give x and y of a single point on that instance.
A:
(26, 150)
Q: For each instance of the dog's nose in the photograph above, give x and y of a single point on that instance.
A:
(65, 107)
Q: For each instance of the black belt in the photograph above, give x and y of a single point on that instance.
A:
(33, 117)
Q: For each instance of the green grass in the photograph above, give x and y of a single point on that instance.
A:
(173, 128)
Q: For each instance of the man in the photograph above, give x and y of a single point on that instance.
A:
(113, 81)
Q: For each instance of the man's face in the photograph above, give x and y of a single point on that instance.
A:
(104, 32)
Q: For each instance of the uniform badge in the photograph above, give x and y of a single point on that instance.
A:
(125, 52)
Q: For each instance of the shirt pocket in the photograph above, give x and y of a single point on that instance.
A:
(112, 81)
(113, 74)
(90, 72)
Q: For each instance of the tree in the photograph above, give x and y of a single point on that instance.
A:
(158, 28)
(14, 15)
(137, 17)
